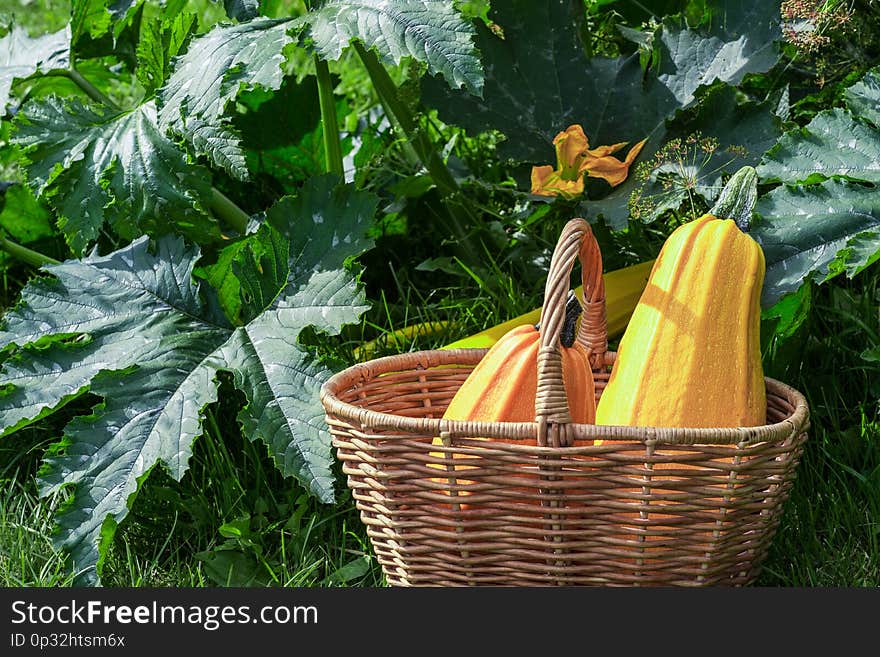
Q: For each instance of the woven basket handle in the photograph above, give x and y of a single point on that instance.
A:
(551, 405)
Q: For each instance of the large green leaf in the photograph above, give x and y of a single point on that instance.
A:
(538, 80)
(863, 98)
(22, 56)
(133, 328)
(23, 216)
(97, 165)
(816, 232)
(212, 72)
(833, 144)
(741, 39)
(430, 31)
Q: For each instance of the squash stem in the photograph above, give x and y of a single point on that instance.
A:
(87, 87)
(738, 198)
(228, 211)
(26, 255)
(332, 148)
(459, 213)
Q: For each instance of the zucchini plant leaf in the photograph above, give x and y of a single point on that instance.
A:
(430, 31)
(742, 38)
(97, 165)
(826, 220)
(539, 81)
(862, 97)
(817, 232)
(212, 72)
(161, 41)
(21, 56)
(135, 328)
(834, 144)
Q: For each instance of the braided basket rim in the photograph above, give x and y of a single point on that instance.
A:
(796, 423)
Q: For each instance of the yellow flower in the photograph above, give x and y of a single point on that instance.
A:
(574, 158)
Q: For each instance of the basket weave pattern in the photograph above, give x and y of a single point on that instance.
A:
(538, 503)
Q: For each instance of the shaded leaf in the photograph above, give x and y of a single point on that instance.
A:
(242, 10)
(871, 355)
(742, 39)
(538, 81)
(279, 118)
(816, 232)
(23, 216)
(431, 31)
(231, 567)
(354, 569)
(212, 72)
(863, 98)
(97, 165)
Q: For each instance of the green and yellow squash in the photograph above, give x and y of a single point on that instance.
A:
(690, 356)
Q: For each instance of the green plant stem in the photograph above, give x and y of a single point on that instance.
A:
(219, 203)
(459, 213)
(332, 147)
(390, 99)
(228, 211)
(88, 88)
(26, 255)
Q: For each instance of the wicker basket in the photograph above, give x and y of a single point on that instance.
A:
(539, 503)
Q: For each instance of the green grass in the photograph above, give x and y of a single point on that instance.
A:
(830, 533)
(27, 557)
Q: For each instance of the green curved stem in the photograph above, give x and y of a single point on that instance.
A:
(26, 255)
(460, 214)
(85, 86)
(228, 211)
(387, 91)
(332, 147)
